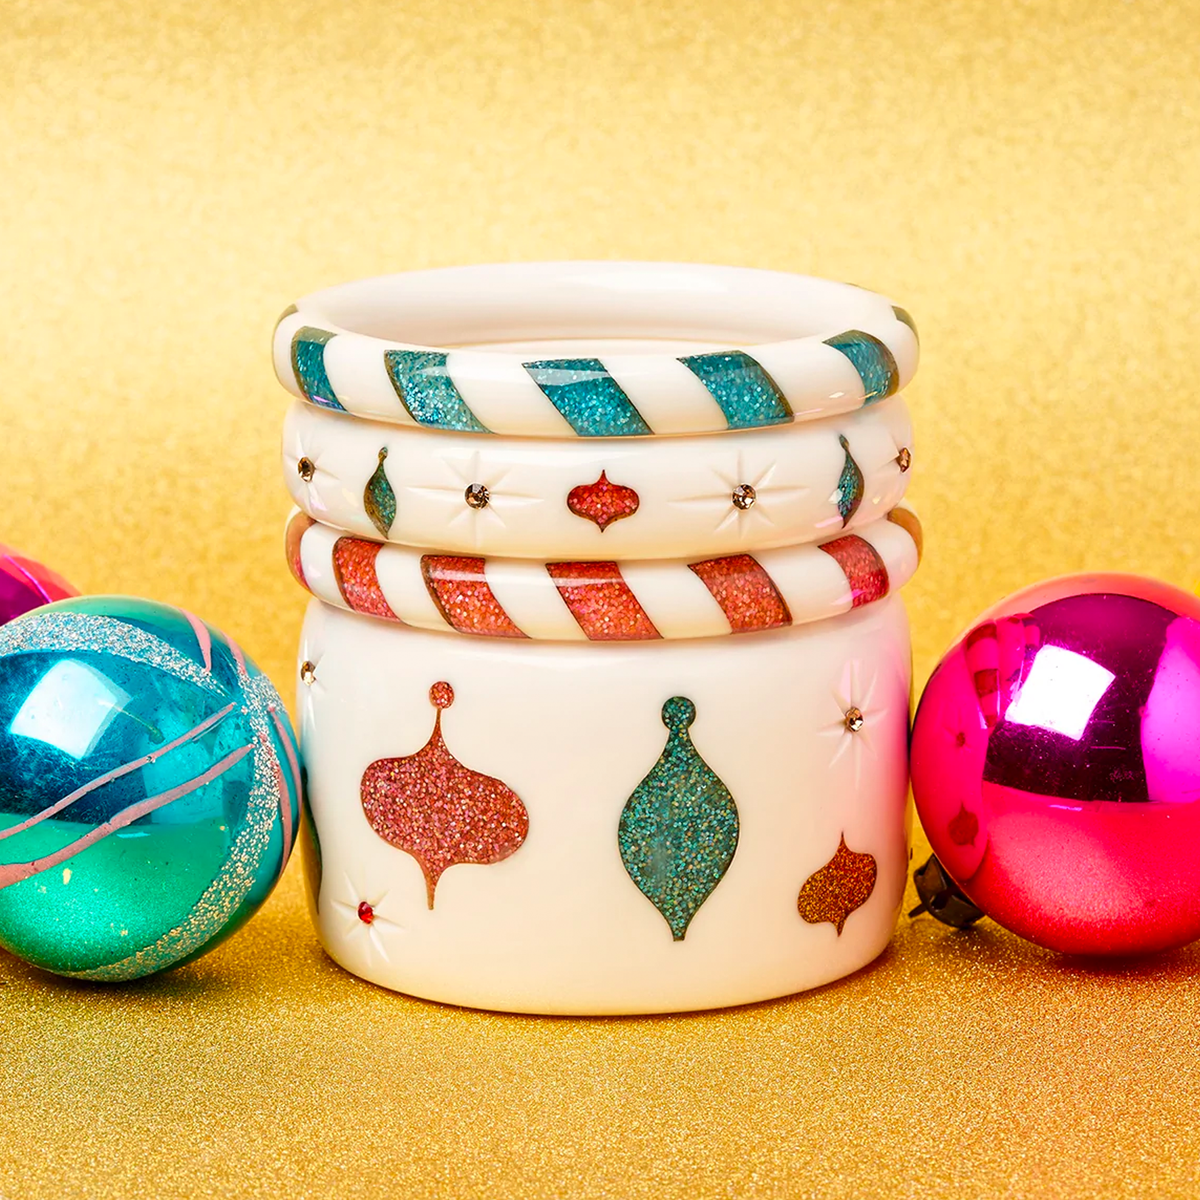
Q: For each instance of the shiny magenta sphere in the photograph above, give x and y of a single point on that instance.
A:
(26, 584)
(1056, 764)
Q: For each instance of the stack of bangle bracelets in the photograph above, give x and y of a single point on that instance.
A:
(604, 684)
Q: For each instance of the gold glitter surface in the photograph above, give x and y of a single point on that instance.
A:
(1021, 177)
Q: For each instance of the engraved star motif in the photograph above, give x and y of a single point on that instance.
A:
(373, 930)
(297, 450)
(854, 690)
(464, 473)
(769, 497)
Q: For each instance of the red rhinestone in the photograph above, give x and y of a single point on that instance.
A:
(366, 914)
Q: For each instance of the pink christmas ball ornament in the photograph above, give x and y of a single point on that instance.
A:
(1056, 766)
(26, 584)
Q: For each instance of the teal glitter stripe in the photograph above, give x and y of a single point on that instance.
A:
(905, 318)
(428, 393)
(748, 396)
(588, 397)
(872, 360)
(308, 365)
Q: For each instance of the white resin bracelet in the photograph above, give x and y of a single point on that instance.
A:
(599, 349)
(609, 498)
(647, 827)
(606, 601)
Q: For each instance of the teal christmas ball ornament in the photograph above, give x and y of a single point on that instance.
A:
(150, 787)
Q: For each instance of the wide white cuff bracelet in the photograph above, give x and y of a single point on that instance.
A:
(588, 828)
(606, 601)
(601, 349)
(621, 498)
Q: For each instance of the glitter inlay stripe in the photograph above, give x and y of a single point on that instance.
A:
(746, 593)
(865, 571)
(308, 363)
(633, 382)
(357, 580)
(748, 396)
(458, 586)
(427, 392)
(874, 362)
(601, 601)
(590, 399)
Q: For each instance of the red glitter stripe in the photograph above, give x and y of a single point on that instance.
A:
(460, 589)
(600, 600)
(298, 526)
(746, 593)
(864, 569)
(354, 566)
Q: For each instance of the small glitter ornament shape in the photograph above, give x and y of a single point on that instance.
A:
(679, 829)
(379, 499)
(1056, 765)
(150, 787)
(25, 585)
(442, 813)
(843, 884)
(848, 494)
(603, 502)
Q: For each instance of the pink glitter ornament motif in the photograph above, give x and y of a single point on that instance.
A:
(603, 502)
(26, 585)
(1056, 767)
(442, 813)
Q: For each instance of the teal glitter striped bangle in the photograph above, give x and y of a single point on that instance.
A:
(594, 349)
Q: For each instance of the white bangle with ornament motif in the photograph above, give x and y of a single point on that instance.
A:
(609, 498)
(602, 829)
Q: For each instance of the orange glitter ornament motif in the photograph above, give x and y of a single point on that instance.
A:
(442, 813)
(843, 884)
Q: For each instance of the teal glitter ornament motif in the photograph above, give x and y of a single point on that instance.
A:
(679, 830)
(379, 499)
(150, 787)
(849, 491)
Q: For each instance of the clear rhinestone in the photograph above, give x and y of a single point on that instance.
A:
(904, 458)
(743, 496)
(854, 719)
(306, 469)
(477, 496)
(308, 673)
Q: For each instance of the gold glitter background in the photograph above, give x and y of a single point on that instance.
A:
(1023, 177)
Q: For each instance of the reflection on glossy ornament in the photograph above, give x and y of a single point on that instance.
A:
(1056, 765)
(149, 787)
(25, 585)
